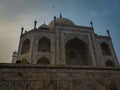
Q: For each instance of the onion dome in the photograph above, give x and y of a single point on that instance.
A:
(60, 21)
(43, 26)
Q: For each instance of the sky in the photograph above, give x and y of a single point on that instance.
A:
(14, 14)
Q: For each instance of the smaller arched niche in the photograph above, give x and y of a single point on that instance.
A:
(44, 45)
(43, 61)
(105, 48)
(109, 63)
(25, 46)
(24, 61)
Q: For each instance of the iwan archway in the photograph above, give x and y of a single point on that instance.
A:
(77, 52)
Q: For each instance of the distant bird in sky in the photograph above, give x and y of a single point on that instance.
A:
(53, 7)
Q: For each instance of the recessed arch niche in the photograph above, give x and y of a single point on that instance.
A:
(25, 46)
(77, 52)
(44, 45)
(105, 48)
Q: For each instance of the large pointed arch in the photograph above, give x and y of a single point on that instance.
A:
(77, 52)
(25, 46)
(44, 45)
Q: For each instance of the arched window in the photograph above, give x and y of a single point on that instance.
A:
(105, 49)
(25, 46)
(109, 63)
(44, 45)
(77, 52)
(43, 61)
(113, 86)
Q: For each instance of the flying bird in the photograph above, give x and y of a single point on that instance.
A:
(53, 7)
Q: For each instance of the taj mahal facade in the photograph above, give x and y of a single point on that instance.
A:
(62, 56)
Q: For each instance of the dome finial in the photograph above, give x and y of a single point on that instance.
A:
(108, 33)
(54, 19)
(91, 24)
(35, 22)
(60, 15)
(22, 29)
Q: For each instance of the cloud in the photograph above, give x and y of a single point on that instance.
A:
(9, 37)
(13, 15)
(11, 9)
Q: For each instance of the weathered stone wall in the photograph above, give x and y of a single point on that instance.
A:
(52, 77)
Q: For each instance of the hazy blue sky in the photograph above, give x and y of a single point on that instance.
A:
(15, 14)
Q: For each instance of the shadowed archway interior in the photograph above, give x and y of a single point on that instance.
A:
(77, 52)
(44, 45)
(105, 49)
(25, 46)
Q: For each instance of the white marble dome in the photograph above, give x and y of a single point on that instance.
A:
(60, 21)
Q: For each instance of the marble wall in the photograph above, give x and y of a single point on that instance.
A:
(54, 77)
